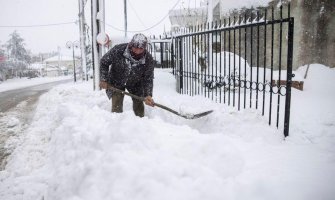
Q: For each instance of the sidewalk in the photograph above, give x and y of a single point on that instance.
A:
(77, 149)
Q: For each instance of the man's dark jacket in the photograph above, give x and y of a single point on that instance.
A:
(136, 77)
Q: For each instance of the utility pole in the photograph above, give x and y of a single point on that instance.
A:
(73, 45)
(102, 23)
(82, 30)
(74, 66)
(125, 18)
(58, 49)
(80, 70)
(98, 26)
(95, 56)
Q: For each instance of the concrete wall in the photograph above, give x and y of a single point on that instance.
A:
(314, 33)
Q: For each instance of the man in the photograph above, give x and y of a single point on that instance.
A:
(128, 66)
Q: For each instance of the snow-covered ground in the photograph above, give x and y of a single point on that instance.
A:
(17, 83)
(76, 149)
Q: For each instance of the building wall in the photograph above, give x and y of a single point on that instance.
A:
(68, 64)
(53, 73)
(314, 31)
(188, 17)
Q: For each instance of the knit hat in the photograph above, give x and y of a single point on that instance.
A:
(138, 41)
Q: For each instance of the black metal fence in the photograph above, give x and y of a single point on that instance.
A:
(244, 61)
(161, 52)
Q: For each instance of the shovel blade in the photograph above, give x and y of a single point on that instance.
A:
(196, 116)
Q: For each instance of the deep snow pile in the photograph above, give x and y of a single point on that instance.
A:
(76, 149)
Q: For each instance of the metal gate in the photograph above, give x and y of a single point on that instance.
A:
(244, 61)
(161, 52)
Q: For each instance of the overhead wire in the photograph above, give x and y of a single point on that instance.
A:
(136, 31)
(37, 25)
(138, 17)
(74, 22)
(183, 12)
(181, 18)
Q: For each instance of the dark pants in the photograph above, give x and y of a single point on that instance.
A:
(117, 104)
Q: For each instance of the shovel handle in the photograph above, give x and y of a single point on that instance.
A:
(141, 99)
(126, 93)
(159, 105)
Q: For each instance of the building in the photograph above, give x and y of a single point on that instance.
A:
(55, 66)
(64, 64)
(314, 38)
(185, 18)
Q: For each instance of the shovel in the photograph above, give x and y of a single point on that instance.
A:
(186, 116)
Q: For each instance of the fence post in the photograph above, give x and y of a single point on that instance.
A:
(289, 77)
(181, 77)
(172, 57)
(161, 48)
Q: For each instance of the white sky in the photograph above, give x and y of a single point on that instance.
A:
(39, 39)
(141, 15)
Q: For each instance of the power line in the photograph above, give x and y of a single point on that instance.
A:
(136, 31)
(138, 17)
(37, 25)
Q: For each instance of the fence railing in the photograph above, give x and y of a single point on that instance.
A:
(244, 61)
(161, 52)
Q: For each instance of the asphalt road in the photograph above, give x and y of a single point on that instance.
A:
(16, 111)
(10, 99)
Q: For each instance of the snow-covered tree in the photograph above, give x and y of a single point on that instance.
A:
(2, 51)
(18, 56)
(2, 63)
(15, 47)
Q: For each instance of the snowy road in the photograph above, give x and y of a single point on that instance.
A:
(16, 111)
(9, 99)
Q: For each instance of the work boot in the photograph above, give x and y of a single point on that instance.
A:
(138, 107)
(117, 102)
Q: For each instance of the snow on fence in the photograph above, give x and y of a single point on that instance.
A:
(238, 61)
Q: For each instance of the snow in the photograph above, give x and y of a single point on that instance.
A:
(36, 66)
(59, 58)
(16, 83)
(76, 149)
(139, 41)
(228, 5)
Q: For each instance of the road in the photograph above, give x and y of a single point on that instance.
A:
(16, 112)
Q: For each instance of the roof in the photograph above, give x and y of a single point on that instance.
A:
(36, 66)
(62, 58)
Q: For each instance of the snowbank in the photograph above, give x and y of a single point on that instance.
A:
(76, 149)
